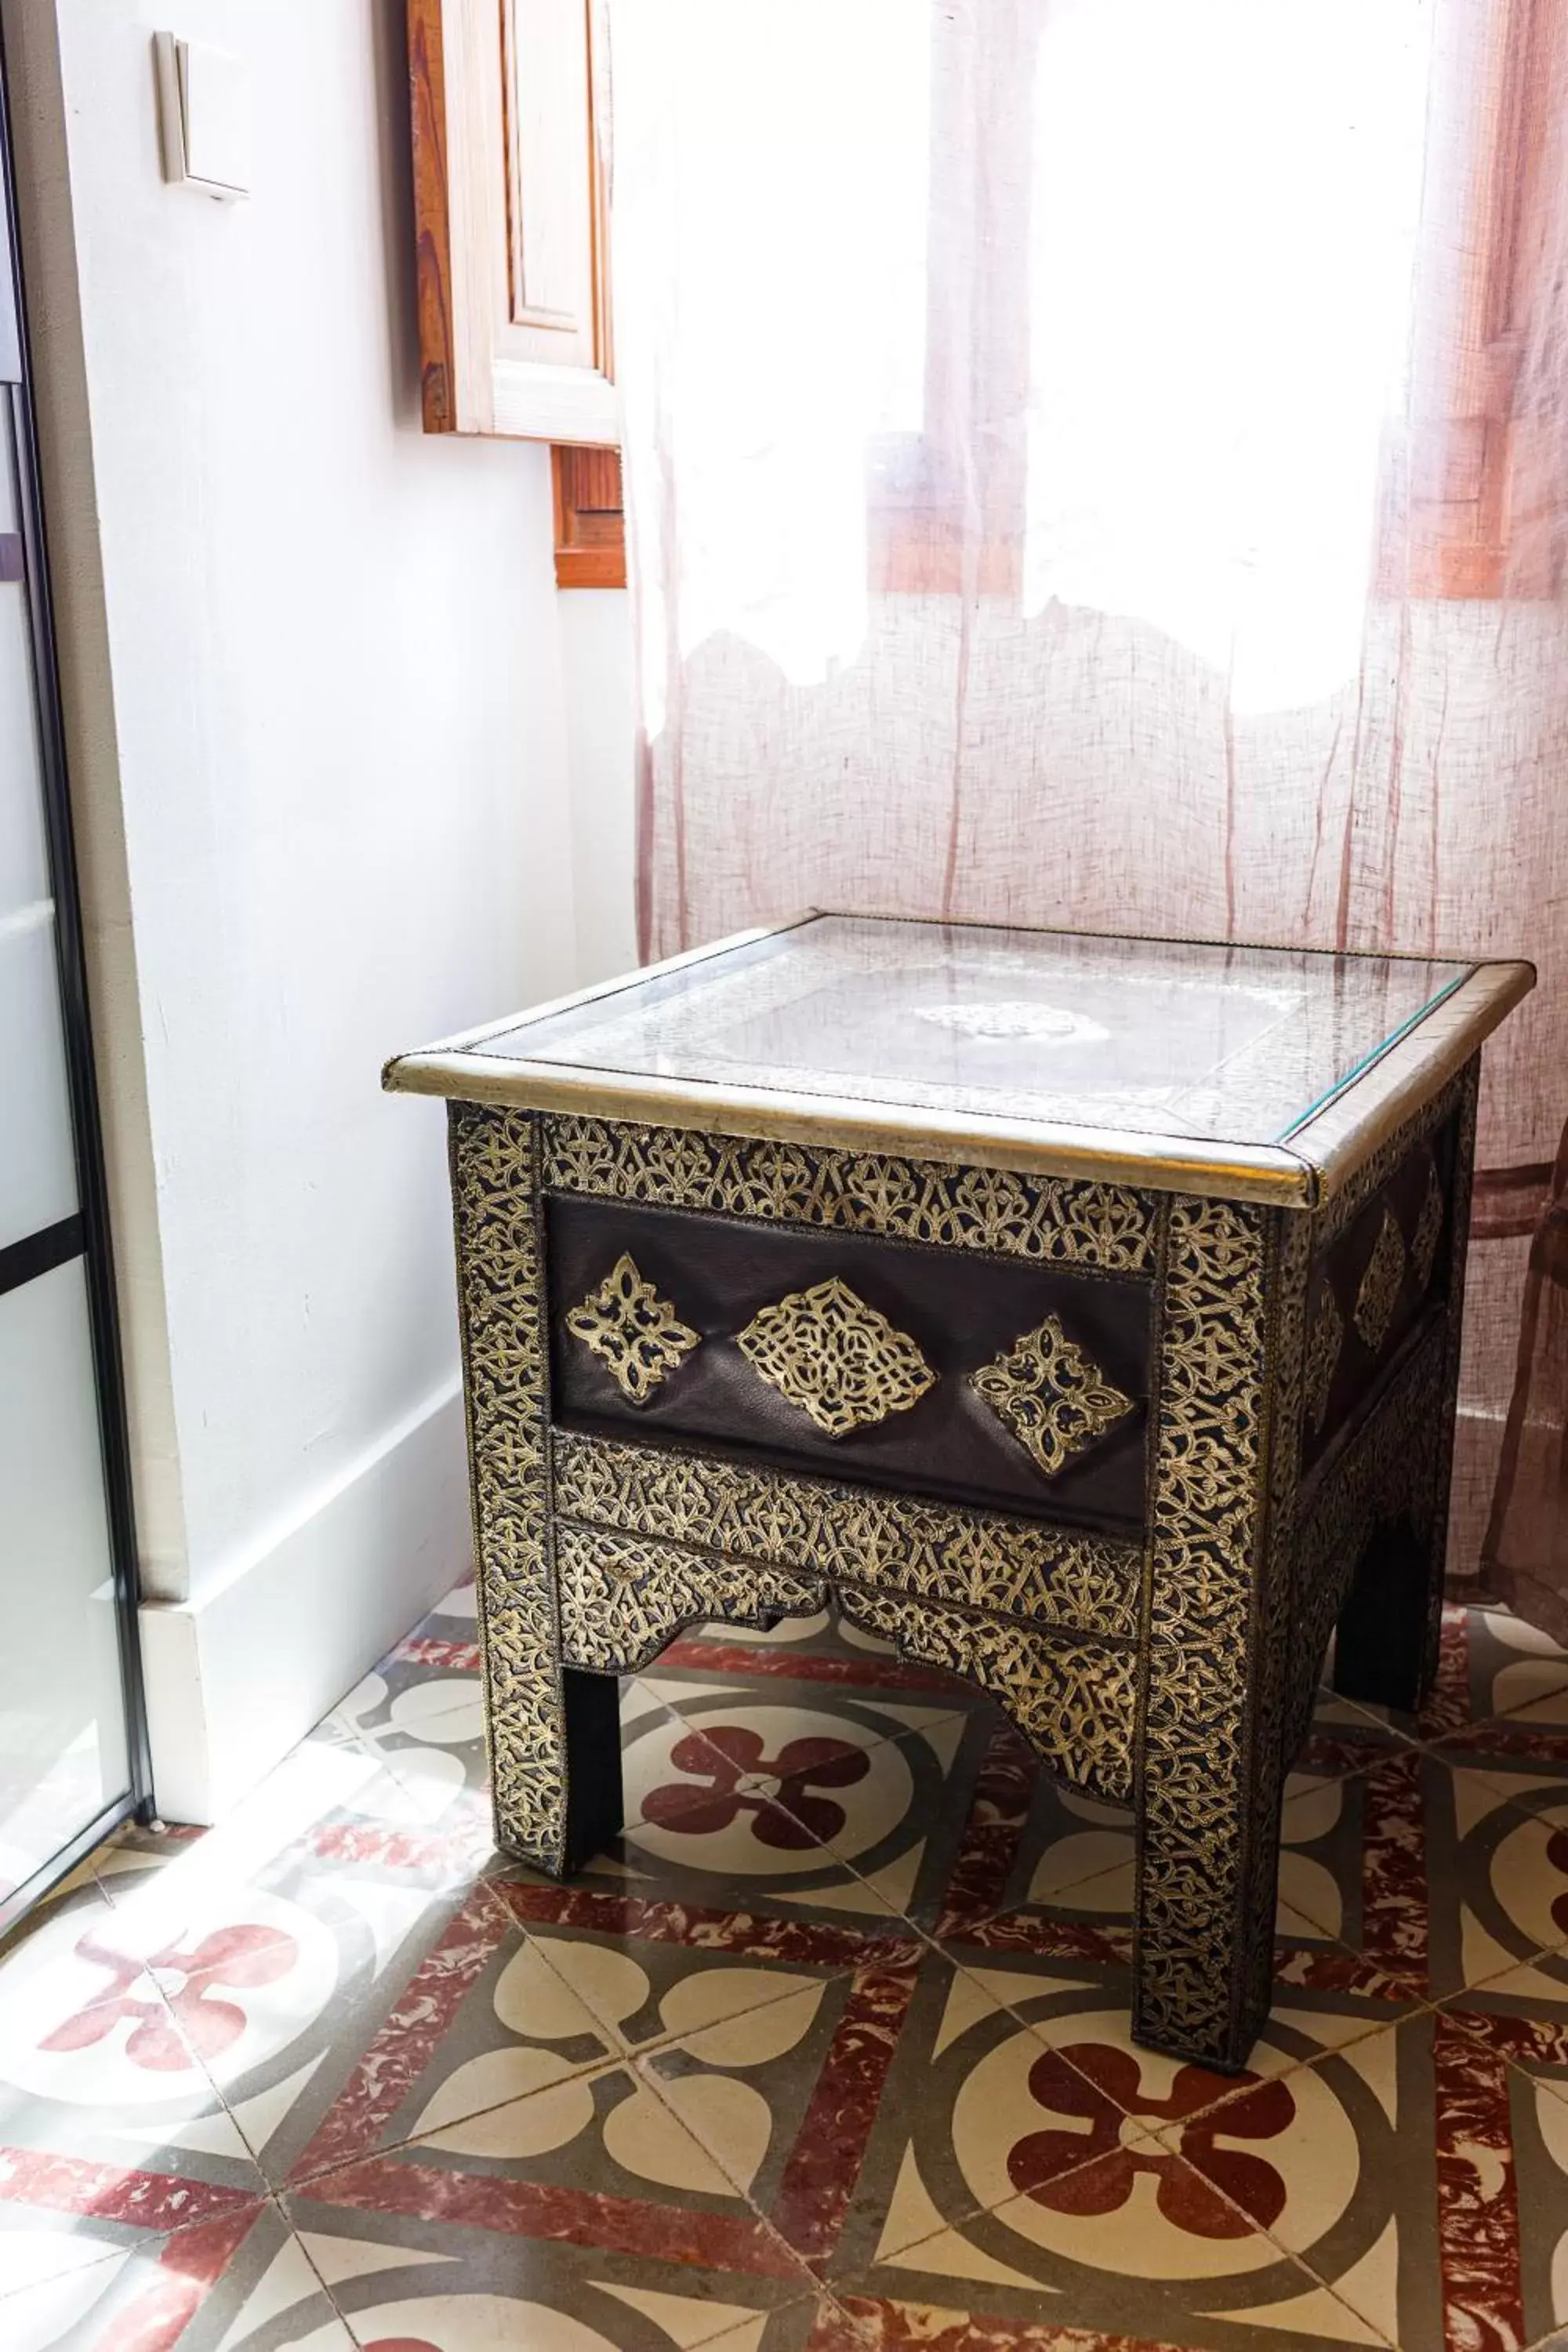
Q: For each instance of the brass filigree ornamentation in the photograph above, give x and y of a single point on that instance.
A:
(1324, 1341)
(1050, 1395)
(927, 1550)
(1200, 1798)
(1380, 1283)
(636, 1335)
(1053, 1219)
(1379, 1166)
(1075, 1703)
(624, 1597)
(501, 1293)
(1276, 1671)
(1428, 1229)
(841, 1361)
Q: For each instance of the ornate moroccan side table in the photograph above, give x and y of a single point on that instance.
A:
(1083, 1313)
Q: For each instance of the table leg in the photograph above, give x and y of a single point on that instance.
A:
(554, 1731)
(1384, 1650)
(1208, 1858)
(555, 1745)
(1210, 1771)
(595, 1807)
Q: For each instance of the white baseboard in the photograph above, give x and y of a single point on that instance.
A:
(236, 1677)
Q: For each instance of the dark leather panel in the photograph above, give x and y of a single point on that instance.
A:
(1360, 1368)
(961, 1310)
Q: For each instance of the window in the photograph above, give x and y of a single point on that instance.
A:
(509, 138)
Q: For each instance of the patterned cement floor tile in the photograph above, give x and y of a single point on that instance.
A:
(1511, 1666)
(274, 1947)
(599, 2161)
(102, 2095)
(135, 2290)
(1100, 2086)
(1496, 1855)
(70, 2238)
(656, 1973)
(1134, 2248)
(831, 2049)
(1463, 2175)
(841, 1805)
(482, 2007)
(1429, 1871)
(1503, 2159)
(1064, 1858)
(540, 2270)
(1490, 1663)
(420, 1716)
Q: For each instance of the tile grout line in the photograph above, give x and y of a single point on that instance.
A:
(815, 2283)
(675, 2035)
(295, 2237)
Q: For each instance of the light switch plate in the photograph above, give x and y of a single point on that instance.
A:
(204, 106)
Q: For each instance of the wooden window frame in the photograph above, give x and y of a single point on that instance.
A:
(590, 523)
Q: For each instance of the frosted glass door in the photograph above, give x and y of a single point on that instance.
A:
(37, 1172)
(70, 1715)
(62, 1725)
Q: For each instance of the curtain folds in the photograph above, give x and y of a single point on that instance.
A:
(1105, 463)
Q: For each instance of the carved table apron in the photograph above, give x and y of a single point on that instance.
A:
(1124, 1456)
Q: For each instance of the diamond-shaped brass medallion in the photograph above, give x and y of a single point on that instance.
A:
(636, 1335)
(1380, 1283)
(1053, 1397)
(838, 1359)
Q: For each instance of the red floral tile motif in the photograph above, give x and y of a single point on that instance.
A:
(1200, 2196)
(728, 1756)
(233, 1960)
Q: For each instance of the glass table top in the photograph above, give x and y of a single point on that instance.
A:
(1222, 1044)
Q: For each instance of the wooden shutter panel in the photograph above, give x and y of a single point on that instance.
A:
(510, 192)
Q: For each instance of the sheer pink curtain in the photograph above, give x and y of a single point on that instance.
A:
(1103, 462)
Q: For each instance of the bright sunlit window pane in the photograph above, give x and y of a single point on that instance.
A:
(772, 167)
(1222, 249)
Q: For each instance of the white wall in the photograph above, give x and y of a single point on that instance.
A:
(601, 734)
(319, 751)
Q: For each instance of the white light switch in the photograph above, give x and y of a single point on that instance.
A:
(204, 100)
